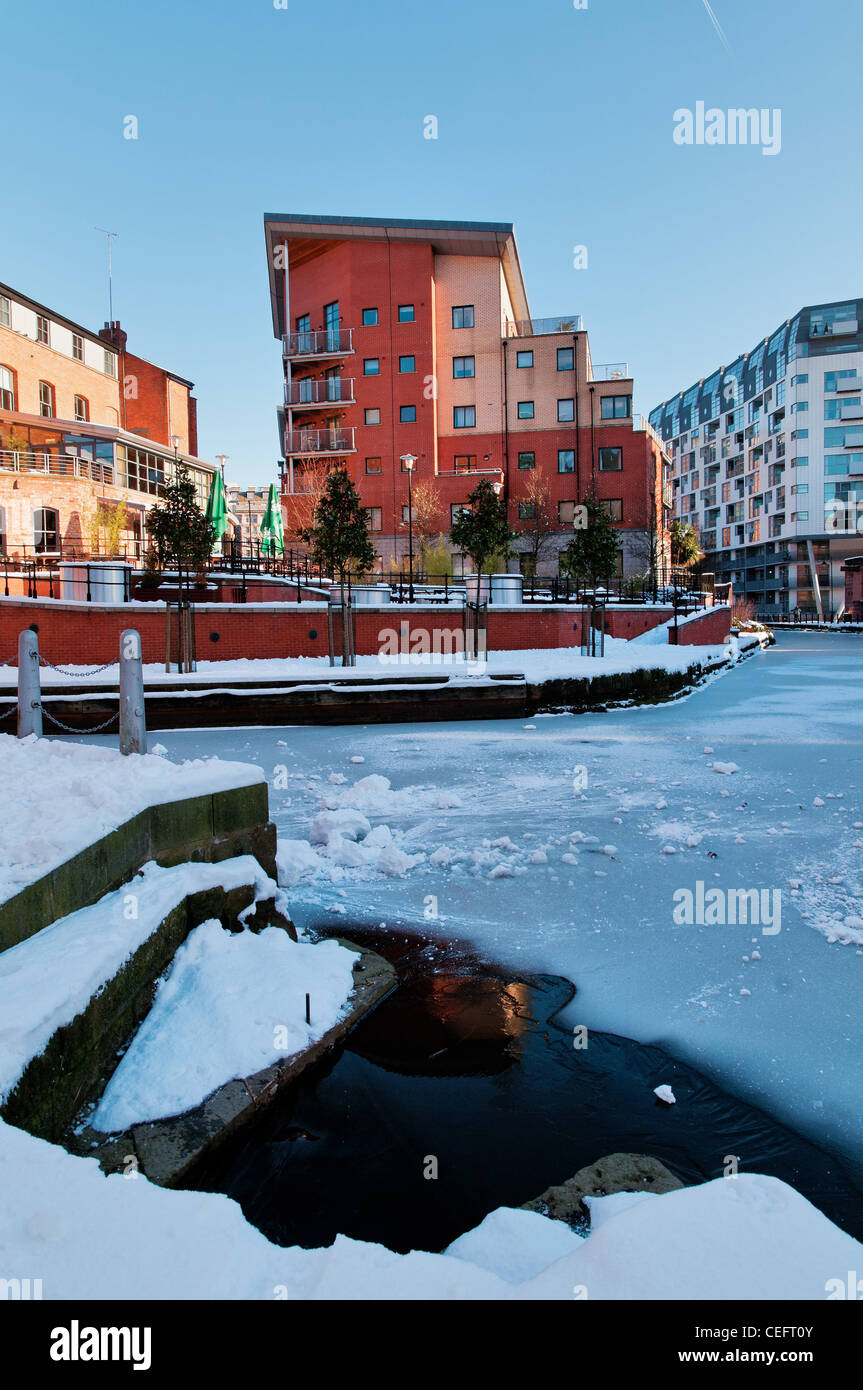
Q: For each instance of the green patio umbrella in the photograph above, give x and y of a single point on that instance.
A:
(217, 510)
(272, 531)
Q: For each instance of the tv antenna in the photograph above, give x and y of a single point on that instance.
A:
(109, 235)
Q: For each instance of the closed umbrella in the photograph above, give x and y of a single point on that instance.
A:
(217, 510)
(272, 531)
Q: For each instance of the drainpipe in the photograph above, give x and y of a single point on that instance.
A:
(592, 438)
(577, 430)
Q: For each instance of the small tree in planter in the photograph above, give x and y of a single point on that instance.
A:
(481, 530)
(685, 549)
(180, 532)
(592, 553)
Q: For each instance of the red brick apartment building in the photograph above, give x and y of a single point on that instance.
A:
(415, 338)
(88, 431)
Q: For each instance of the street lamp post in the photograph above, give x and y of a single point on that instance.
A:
(409, 464)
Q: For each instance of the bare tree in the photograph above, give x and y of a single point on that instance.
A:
(541, 525)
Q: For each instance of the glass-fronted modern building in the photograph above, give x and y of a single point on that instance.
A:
(767, 462)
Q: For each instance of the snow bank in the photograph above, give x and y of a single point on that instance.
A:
(47, 980)
(59, 797)
(230, 1005)
(95, 1237)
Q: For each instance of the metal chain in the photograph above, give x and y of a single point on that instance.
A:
(81, 675)
(10, 660)
(10, 710)
(95, 729)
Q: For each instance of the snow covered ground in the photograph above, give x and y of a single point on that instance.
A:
(537, 664)
(558, 845)
(88, 1236)
(59, 796)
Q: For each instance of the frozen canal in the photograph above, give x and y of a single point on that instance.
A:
(557, 846)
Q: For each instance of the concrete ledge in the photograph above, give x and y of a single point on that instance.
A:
(74, 1066)
(167, 1149)
(212, 827)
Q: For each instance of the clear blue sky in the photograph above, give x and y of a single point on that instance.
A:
(557, 119)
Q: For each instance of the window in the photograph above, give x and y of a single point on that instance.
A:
(799, 405)
(371, 366)
(456, 509)
(373, 415)
(110, 363)
(462, 316)
(463, 366)
(373, 465)
(833, 409)
(77, 347)
(566, 410)
(615, 407)
(526, 511)
(46, 399)
(525, 410)
(566, 460)
(566, 513)
(2, 530)
(407, 414)
(613, 506)
(407, 364)
(5, 311)
(374, 516)
(331, 315)
(46, 530)
(802, 380)
(524, 359)
(565, 360)
(304, 324)
(527, 459)
(406, 313)
(43, 329)
(7, 389)
(464, 417)
(370, 318)
(465, 463)
(610, 460)
(82, 408)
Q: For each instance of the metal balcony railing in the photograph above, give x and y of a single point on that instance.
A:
(58, 465)
(316, 391)
(314, 441)
(322, 342)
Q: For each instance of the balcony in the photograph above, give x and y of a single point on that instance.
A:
(610, 371)
(310, 393)
(849, 383)
(314, 346)
(311, 442)
(535, 328)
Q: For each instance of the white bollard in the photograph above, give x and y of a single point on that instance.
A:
(29, 686)
(133, 724)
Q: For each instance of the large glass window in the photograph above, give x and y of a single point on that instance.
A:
(527, 459)
(331, 315)
(46, 531)
(46, 399)
(462, 316)
(7, 389)
(464, 463)
(615, 407)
